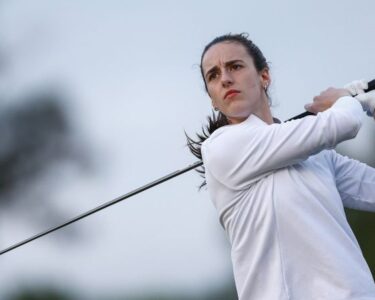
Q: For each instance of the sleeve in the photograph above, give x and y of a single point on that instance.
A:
(241, 155)
(355, 182)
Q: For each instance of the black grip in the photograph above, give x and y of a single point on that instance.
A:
(371, 86)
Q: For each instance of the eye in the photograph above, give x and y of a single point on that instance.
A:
(235, 67)
(212, 76)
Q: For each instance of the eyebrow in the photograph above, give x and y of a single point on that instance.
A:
(228, 63)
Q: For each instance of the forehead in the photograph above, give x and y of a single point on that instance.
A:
(223, 52)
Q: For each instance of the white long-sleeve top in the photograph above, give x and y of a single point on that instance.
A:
(279, 191)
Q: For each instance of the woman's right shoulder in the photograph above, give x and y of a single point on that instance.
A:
(218, 134)
(222, 140)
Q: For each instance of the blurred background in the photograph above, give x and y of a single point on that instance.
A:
(94, 100)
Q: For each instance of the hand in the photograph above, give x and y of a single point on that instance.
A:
(356, 87)
(367, 101)
(326, 99)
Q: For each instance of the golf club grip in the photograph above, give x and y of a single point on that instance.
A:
(371, 86)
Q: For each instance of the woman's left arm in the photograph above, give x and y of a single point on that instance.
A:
(355, 182)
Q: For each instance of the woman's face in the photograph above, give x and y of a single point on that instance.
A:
(235, 86)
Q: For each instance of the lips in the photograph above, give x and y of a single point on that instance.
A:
(231, 93)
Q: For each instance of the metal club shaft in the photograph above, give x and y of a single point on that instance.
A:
(105, 205)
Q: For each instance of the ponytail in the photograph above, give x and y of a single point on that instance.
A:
(214, 121)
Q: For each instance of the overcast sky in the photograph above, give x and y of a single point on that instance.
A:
(131, 71)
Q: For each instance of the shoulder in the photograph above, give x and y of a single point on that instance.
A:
(227, 140)
(208, 145)
(234, 131)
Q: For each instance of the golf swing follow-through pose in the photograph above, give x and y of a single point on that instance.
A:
(279, 188)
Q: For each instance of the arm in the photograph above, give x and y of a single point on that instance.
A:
(355, 182)
(240, 155)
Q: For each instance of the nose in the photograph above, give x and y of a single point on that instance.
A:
(226, 78)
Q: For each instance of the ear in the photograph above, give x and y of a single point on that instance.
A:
(265, 77)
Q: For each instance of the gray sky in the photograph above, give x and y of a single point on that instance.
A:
(131, 70)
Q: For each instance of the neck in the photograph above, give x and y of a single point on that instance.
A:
(263, 112)
(266, 116)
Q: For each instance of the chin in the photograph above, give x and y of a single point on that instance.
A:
(237, 118)
(240, 113)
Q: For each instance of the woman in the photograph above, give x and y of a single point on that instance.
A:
(278, 188)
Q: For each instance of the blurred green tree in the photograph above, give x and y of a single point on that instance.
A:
(43, 293)
(35, 136)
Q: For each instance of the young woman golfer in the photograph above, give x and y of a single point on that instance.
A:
(279, 188)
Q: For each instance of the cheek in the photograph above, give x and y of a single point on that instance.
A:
(253, 90)
(210, 89)
(211, 93)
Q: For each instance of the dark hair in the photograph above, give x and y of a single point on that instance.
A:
(218, 120)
